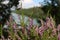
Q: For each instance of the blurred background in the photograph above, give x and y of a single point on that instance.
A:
(19, 18)
(35, 9)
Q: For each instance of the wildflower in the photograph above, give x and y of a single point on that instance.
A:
(58, 28)
(7, 23)
(48, 22)
(41, 30)
(11, 19)
(54, 31)
(14, 25)
(28, 28)
(58, 36)
(52, 23)
(30, 22)
(45, 26)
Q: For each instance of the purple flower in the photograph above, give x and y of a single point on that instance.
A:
(58, 36)
(58, 28)
(14, 25)
(50, 22)
(28, 28)
(47, 19)
(11, 19)
(7, 23)
(45, 26)
(40, 33)
(41, 30)
(54, 31)
(30, 22)
(51, 25)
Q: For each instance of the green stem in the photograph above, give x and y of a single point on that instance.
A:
(0, 30)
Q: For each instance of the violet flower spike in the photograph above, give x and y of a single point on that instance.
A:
(59, 36)
(30, 22)
(41, 30)
(7, 23)
(14, 25)
(58, 28)
(11, 19)
(48, 22)
(54, 31)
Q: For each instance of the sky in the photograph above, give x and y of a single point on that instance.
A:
(31, 3)
(28, 3)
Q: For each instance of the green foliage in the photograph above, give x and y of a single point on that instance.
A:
(47, 35)
(35, 12)
(0, 30)
(54, 7)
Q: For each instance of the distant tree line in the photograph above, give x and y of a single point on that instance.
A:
(53, 6)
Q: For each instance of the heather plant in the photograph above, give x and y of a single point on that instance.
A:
(47, 30)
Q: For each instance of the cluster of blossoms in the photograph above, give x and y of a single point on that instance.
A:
(33, 32)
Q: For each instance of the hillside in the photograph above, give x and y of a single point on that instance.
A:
(35, 12)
